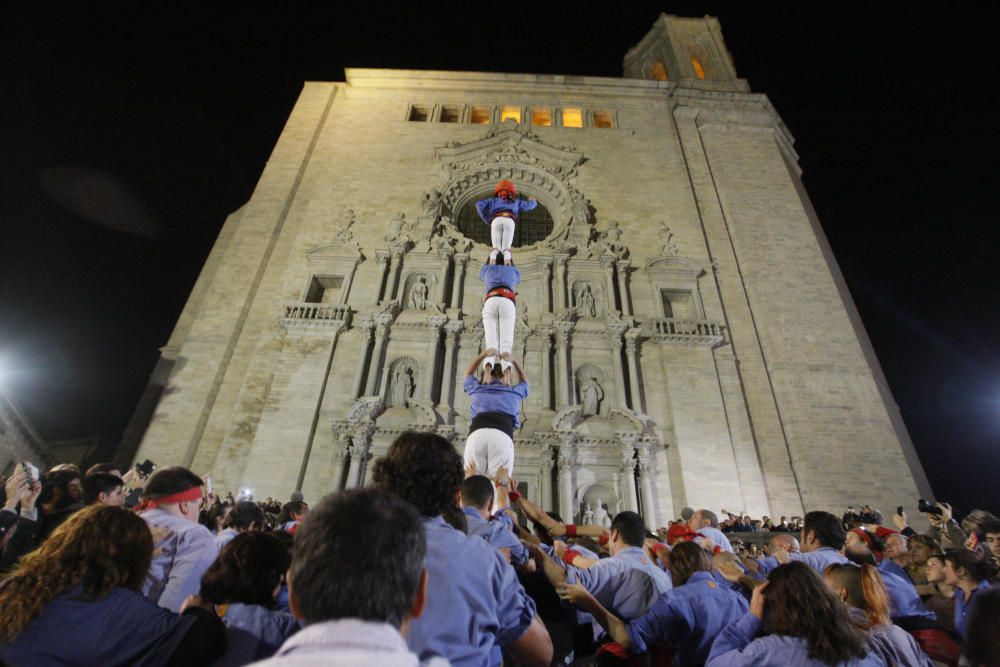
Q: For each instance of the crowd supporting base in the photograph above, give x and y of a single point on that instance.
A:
(439, 564)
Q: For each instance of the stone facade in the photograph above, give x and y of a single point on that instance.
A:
(688, 336)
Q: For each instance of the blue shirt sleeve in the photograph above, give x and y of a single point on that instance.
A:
(483, 209)
(522, 389)
(656, 627)
(194, 556)
(470, 384)
(515, 610)
(526, 205)
(728, 647)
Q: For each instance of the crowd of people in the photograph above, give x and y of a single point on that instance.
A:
(437, 564)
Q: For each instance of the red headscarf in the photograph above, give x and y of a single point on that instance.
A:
(505, 186)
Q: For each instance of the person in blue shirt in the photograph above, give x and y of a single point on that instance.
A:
(474, 600)
(968, 572)
(822, 538)
(905, 606)
(686, 619)
(500, 213)
(497, 529)
(495, 412)
(499, 309)
(803, 623)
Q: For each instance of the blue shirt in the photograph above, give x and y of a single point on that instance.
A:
(688, 619)
(496, 397)
(962, 606)
(717, 536)
(627, 584)
(254, 633)
(498, 531)
(495, 275)
(818, 560)
(736, 647)
(904, 602)
(488, 208)
(474, 599)
(122, 628)
(175, 573)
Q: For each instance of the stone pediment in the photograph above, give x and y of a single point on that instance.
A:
(510, 143)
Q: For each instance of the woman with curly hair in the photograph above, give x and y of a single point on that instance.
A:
(968, 572)
(82, 588)
(805, 625)
(478, 601)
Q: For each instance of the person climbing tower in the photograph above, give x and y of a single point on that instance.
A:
(500, 212)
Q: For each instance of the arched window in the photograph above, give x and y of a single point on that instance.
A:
(532, 226)
(657, 71)
(699, 69)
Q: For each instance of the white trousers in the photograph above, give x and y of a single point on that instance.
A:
(490, 449)
(499, 316)
(502, 234)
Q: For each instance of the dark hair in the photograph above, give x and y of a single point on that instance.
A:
(455, 517)
(982, 630)
(423, 469)
(102, 467)
(631, 527)
(799, 604)
(57, 480)
(477, 491)
(860, 554)
(685, 559)
(990, 527)
(96, 483)
(243, 514)
(827, 528)
(248, 570)
(358, 554)
(296, 507)
(979, 567)
(168, 481)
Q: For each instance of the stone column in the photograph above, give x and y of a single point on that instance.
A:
(340, 452)
(451, 331)
(567, 459)
(628, 480)
(546, 264)
(646, 472)
(345, 289)
(367, 325)
(545, 481)
(564, 390)
(381, 328)
(445, 256)
(397, 264)
(359, 454)
(623, 287)
(382, 261)
(608, 264)
(546, 335)
(560, 290)
(434, 324)
(631, 350)
(615, 331)
(458, 283)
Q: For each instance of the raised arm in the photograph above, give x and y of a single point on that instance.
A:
(488, 352)
(517, 367)
(579, 596)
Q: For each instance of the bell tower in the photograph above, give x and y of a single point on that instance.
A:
(678, 48)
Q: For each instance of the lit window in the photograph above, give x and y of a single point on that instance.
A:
(541, 117)
(510, 113)
(603, 119)
(450, 114)
(572, 118)
(418, 113)
(480, 116)
(658, 72)
(699, 70)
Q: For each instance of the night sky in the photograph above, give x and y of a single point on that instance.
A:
(128, 135)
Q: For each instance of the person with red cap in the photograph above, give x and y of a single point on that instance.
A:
(500, 213)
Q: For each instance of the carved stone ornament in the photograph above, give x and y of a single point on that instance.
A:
(366, 408)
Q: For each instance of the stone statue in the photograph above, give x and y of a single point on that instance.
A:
(418, 295)
(612, 241)
(398, 229)
(601, 517)
(667, 246)
(588, 516)
(585, 302)
(431, 204)
(591, 395)
(402, 386)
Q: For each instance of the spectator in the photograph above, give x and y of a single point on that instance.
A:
(357, 583)
(920, 548)
(242, 583)
(62, 491)
(477, 601)
(171, 500)
(685, 619)
(245, 516)
(291, 515)
(103, 488)
(982, 631)
(782, 542)
(18, 518)
(906, 607)
(707, 523)
(991, 538)
(860, 587)
(968, 572)
(976, 520)
(805, 625)
(822, 538)
(76, 601)
(943, 528)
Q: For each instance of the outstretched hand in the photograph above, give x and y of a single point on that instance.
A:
(572, 593)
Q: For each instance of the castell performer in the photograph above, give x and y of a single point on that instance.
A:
(495, 415)
(499, 308)
(500, 213)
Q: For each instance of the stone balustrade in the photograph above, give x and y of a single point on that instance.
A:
(695, 333)
(305, 314)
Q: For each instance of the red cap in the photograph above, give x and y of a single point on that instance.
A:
(680, 532)
(507, 186)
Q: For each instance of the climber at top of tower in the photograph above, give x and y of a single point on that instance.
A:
(500, 213)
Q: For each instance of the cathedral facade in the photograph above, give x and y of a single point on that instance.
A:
(687, 334)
